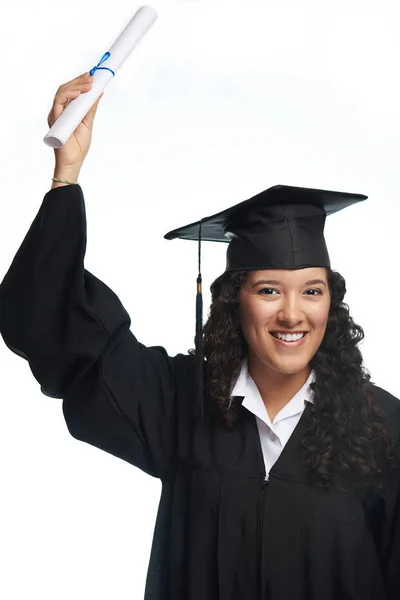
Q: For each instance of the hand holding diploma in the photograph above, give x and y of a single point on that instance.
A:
(70, 157)
(75, 104)
(102, 73)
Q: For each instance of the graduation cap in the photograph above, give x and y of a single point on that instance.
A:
(280, 228)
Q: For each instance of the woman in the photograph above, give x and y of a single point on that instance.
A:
(288, 487)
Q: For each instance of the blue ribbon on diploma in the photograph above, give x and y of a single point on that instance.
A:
(105, 57)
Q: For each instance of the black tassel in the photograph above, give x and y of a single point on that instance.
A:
(199, 400)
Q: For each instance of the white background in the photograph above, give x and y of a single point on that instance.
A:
(220, 101)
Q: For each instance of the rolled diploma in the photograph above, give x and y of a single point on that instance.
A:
(73, 114)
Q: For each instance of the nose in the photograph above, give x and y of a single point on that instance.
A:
(290, 312)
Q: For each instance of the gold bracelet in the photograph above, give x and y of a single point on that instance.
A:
(64, 181)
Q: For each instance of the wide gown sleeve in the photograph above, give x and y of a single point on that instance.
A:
(117, 394)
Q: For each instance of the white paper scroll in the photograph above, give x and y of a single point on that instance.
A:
(73, 114)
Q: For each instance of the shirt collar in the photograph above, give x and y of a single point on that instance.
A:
(246, 388)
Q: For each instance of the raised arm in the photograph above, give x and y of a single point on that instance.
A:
(74, 332)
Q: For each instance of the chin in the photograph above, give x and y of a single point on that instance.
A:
(287, 366)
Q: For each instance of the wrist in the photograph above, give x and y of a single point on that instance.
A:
(70, 173)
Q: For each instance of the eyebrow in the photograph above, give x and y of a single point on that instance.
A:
(315, 282)
(275, 282)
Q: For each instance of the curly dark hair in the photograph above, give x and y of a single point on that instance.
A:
(345, 436)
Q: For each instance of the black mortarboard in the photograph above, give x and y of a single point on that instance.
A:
(280, 228)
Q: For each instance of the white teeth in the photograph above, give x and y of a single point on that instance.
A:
(290, 337)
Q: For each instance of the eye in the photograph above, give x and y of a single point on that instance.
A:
(267, 291)
(314, 292)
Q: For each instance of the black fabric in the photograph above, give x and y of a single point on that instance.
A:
(222, 533)
(280, 228)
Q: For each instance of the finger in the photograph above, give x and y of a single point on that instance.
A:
(84, 78)
(60, 103)
(63, 97)
(89, 117)
(79, 85)
(64, 92)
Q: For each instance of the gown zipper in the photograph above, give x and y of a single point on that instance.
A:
(263, 493)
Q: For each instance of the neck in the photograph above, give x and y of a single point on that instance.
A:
(276, 389)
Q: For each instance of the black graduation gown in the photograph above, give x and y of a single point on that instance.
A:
(221, 533)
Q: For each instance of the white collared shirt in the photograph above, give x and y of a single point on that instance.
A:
(273, 435)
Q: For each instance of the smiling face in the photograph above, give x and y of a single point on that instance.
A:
(283, 316)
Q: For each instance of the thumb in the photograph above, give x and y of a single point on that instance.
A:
(89, 117)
